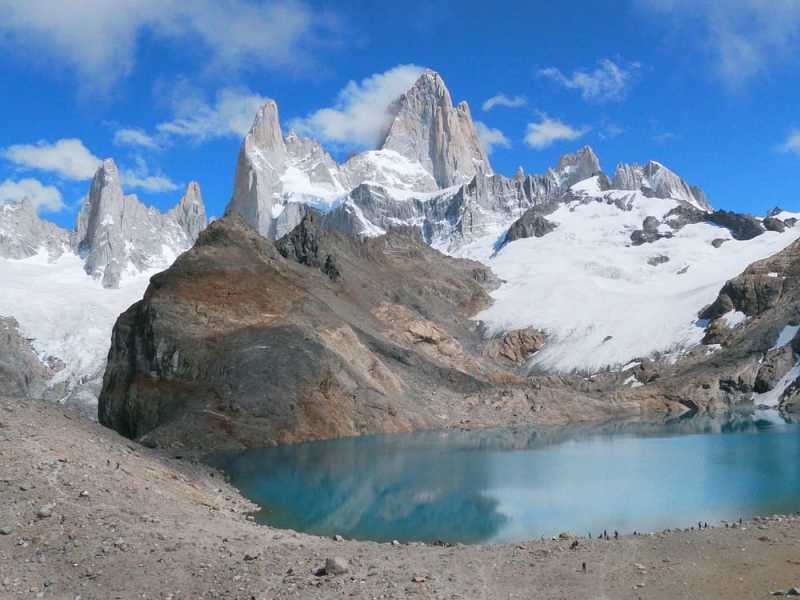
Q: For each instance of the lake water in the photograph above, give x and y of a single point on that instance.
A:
(515, 484)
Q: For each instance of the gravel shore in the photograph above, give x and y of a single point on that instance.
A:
(86, 513)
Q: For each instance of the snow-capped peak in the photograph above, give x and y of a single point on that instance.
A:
(656, 179)
(427, 128)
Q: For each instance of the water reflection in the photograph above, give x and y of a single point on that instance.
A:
(518, 483)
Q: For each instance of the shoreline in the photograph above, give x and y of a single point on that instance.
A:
(152, 526)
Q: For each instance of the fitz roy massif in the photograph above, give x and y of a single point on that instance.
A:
(408, 287)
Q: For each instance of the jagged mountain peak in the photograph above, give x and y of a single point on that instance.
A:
(575, 167)
(23, 233)
(658, 180)
(190, 212)
(115, 232)
(427, 128)
(266, 130)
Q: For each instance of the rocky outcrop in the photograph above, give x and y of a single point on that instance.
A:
(776, 364)
(428, 129)
(741, 226)
(530, 224)
(774, 224)
(572, 168)
(683, 215)
(236, 344)
(23, 233)
(22, 373)
(658, 181)
(114, 231)
(516, 346)
(649, 232)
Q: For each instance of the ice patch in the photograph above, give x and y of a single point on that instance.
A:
(773, 397)
(786, 335)
(733, 318)
(66, 313)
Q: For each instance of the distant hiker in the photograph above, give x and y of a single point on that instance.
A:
(583, 567)
(590, 535)
(740, 520)
(705, 525)
(605, 534)
(616, 534)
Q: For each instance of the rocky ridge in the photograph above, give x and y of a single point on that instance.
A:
(248, 342)
(116, 232)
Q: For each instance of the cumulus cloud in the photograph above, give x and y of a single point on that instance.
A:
(491, 137)
(792, 143)
(135, 137)
(741, 37)
(360, 114)
(548, 131)
(44, 197)
(140, 177)
(68, 158)
(100, 39)
(230, 114)
(71, 159)
(503, 100)
(607, 82)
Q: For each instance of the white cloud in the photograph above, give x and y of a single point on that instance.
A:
(548, 131)
(608, 82)
(741, 37)
(503, 100)
(68, 158)
(140, 177)
(100, 39)
(135, 137)
(44, 197)
(666, 136)
(792, 143)
(231, 114)
(491, 137)
(609, 131)
(360, 115)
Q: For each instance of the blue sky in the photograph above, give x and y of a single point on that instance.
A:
(167, 88)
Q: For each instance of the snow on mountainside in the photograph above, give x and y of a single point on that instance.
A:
(602, 300)
(429, 144)
(609, 269)
(66, 289)
(615, 269)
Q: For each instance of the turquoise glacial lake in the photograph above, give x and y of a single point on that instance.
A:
(505, 485)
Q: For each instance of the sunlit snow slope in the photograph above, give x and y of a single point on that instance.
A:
(595, 294)
(64, 312)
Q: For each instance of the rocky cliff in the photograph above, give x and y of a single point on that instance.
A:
(427, 128)
(115, 232)
(23, 233)
(246, 342)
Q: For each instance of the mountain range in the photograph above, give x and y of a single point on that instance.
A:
(412, 277)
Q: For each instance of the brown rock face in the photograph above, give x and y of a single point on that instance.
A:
(246, 342)
(516, 346)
